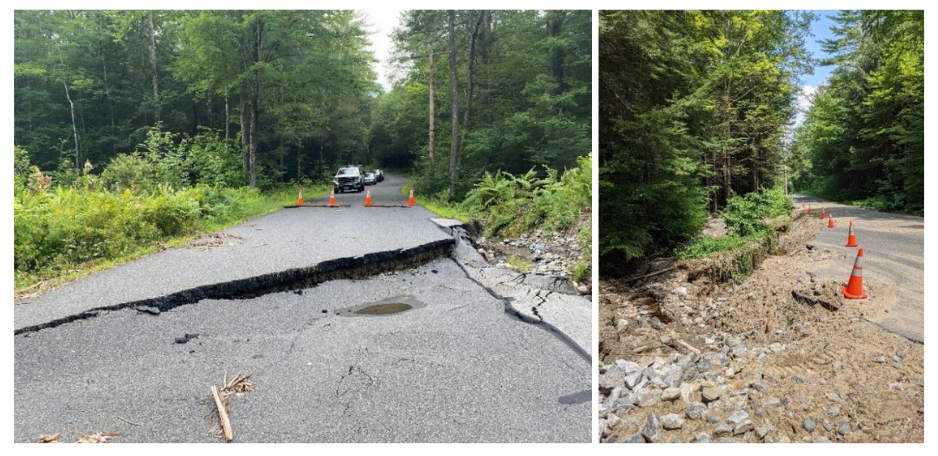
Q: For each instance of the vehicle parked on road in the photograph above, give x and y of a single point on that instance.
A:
(349, 178)
(379, 175)
(370, 179)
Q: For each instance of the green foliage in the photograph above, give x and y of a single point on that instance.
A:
(519, 264)
(703, 246)
(747, 215)
(529, 105)
(750, 220)
(583, 269)
(20, 167)
(863, 138)
(58, 230)
(512, 204)
(693, 107)
(311, 66)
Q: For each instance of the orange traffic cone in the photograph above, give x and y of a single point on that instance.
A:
(809, 209)
(851, 239)
(823, 215)
(368, 198)
(830, 222)
(854, 288)
(332, 198)
(299, 198)
(410, 199)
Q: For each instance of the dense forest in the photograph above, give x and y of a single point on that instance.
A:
(863, 138)
(135, 128)
(509, 90)
(697, 110)
(284, 92)
(293, 95)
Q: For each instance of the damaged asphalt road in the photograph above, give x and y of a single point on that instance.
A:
(894, 261)
(287, 240)
(455, 367)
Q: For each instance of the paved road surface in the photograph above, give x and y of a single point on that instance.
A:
(456, 367)
(287, 239)
(894, 260)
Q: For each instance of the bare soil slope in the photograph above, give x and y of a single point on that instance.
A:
(780, 358)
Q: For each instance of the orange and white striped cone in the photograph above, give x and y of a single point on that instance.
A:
(809, 209)
(332, 198)
(851, 239)
(854, 288)
(823, 215)
(368, 198)
(830, 221)
(410, 199)
(299, 198)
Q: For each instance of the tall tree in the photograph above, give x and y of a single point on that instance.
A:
(454, 102)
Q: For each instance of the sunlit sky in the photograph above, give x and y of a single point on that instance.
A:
(821, 31)
(381, 23)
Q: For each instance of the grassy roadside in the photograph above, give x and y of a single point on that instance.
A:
(507, 205)
(754, 221)
(57, 213)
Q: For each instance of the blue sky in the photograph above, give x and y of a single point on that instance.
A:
(821, 30)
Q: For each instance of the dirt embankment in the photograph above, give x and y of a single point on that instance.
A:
(781, 357)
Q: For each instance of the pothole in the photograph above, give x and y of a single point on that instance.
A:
(384, 309)
(389, 306)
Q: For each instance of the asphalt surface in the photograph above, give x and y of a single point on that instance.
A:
(457, 367)
(287, 239)
(894, 260)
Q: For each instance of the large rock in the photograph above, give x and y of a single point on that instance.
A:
(723, 429)
(711, 393)
(738, 417)
(809, 425)
(670, 394)
(672, 421)
(652, 429)
(614, 377)
(633, 373)
(695, 411)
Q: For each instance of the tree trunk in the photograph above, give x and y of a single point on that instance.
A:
(454, 94)
(469, 67)
(245, 132)
(322, 162)
(258, 28)
(226, 114)
(156, 87)
(71, 105)
(432, 126)
(755, 164)
(557, 54)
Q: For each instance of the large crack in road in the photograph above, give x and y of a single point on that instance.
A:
(464, 358)
(293, 279)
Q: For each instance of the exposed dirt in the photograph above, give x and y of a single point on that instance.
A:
(546, 253)
(213, 240)
(786, 350)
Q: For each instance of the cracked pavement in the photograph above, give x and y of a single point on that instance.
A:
(458, 367)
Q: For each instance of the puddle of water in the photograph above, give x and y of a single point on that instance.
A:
(384, 309)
